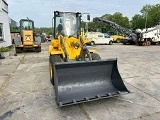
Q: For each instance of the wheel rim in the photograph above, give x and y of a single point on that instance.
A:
(149, 43)
(92, 43)
(144, 43)
(110, 43)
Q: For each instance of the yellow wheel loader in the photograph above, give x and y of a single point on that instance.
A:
(77, 73)
(27, 38)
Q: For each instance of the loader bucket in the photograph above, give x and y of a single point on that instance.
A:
(85, 81)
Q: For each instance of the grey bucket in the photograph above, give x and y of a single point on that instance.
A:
(83, 81)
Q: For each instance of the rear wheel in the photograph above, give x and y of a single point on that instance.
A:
(118, 40)
(52, 60)
(95, 56)
(38, 49)
(18, 50)
(144, 43)
(110, 42)
(148, 43)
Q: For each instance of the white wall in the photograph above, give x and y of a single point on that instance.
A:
(0, 5)
(4, 19)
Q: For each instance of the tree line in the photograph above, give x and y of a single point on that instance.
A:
(149, 16)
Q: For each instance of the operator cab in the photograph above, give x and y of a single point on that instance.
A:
(26, 24)
(66, 24)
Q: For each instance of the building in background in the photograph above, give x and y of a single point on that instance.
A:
(13, 23)
(5, 37)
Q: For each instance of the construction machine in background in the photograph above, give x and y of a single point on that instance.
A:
(27, 38)
(131, 36)
(77, 73)
(152, 34)
(117, 38)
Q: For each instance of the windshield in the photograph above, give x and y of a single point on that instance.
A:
(106, 35)
(27, 25)
(67, 24)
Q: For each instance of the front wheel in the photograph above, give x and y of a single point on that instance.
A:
(95, 56)
(92, 43)
(110, 42)
(118, 40)
(52, 60)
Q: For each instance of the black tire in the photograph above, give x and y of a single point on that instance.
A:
(92, 43)
(38, 49)
(118, 40)
(110, 42)
(52, 60)
(13, 41)
(95, 56)
(153, 43)
(18, 50)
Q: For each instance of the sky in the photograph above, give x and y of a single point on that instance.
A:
(41, 11)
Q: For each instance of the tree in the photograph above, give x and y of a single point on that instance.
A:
(149, 17)
(152, 13)
(118, 18)
(46, 30)
(138, 21)
(14, 29)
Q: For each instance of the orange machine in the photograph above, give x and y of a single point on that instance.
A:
(27, 38)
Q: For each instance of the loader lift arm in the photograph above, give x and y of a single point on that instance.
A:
(64, 48)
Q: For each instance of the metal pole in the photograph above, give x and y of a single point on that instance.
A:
(87, 26)
(52, 27)
(86, 22)
(146, 21)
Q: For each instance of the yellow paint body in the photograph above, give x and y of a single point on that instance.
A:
(73, 52)
(117, 37)
(84, 36)
(28, 39)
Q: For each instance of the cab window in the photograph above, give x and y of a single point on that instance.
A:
(100, 36)
(106, 36)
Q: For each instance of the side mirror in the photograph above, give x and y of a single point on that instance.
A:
(88, 17)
